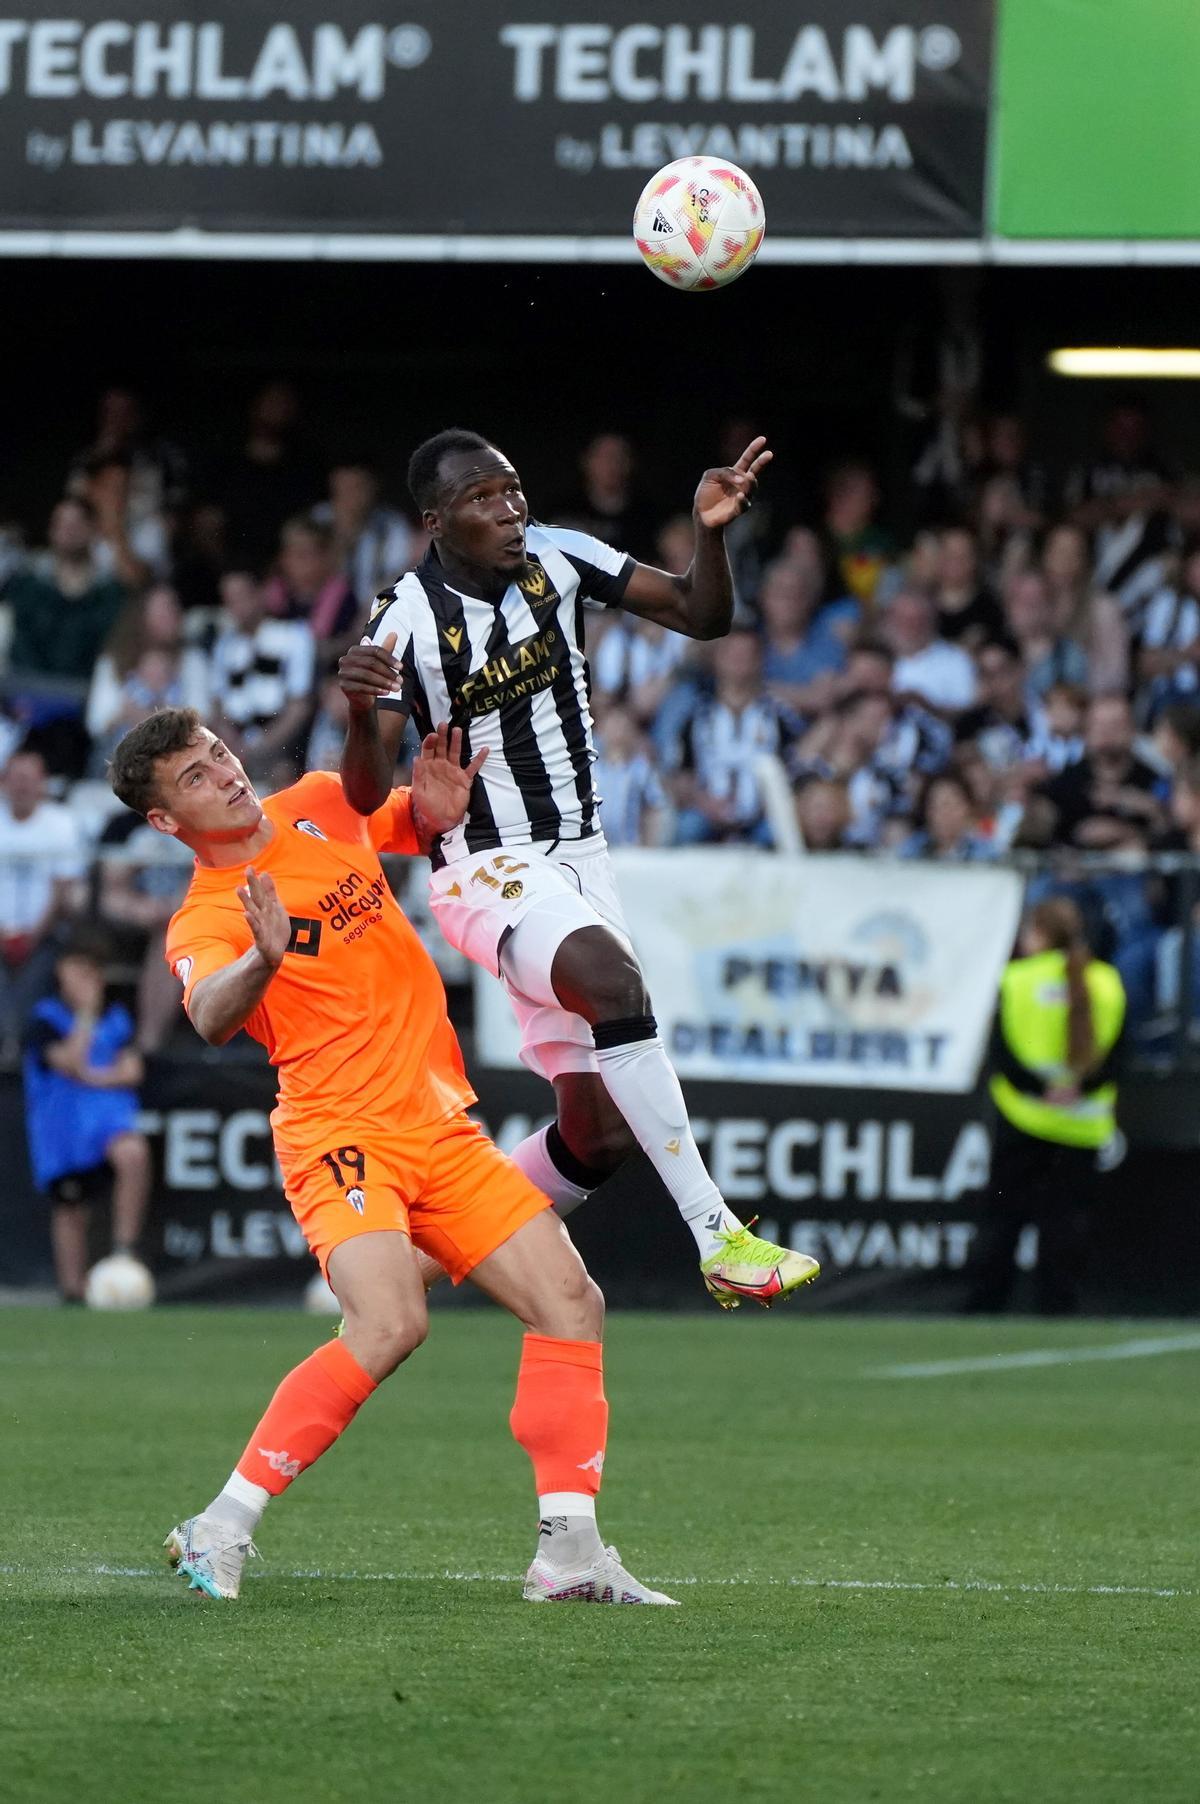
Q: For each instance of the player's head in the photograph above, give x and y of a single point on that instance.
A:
(470, 500)
(185, 780)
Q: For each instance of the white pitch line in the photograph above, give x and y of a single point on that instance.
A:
(993, 1587)
(1044, 1356)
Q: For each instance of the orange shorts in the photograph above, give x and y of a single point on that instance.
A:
(445, 1185)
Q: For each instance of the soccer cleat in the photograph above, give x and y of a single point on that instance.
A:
(745, 1266)
(210, 1554)
(603, 1581)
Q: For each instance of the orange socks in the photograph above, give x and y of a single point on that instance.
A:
(560, 1416)
(311, 1408)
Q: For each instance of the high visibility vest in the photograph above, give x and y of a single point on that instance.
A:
(1033, 1022)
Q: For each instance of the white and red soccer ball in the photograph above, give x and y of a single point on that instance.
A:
(699, 223)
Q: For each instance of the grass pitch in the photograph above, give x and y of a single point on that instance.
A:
(973, 1586)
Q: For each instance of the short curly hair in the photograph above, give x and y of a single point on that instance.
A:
(131, 772)
(425, 464)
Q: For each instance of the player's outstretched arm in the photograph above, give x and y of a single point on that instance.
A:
(700, 603)
(441, 783)
(365, 673)
(223, 1002)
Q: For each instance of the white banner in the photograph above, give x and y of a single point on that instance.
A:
(817, 970)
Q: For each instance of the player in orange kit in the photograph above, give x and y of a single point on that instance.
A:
(289, 929)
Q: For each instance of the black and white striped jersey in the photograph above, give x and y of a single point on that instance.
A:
(514, 676)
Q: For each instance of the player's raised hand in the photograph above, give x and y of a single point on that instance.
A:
(367, 671)
(726, 492)
(267, 916)
(441, 782)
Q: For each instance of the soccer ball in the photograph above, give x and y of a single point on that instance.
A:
(699, 223)
(119, 1282)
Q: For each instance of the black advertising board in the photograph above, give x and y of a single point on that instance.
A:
(883, 1187)
(469, 120)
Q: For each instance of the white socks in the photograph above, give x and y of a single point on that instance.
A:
(533, 1158)
(639, 1077)
(567, 1532)
(240, 1503)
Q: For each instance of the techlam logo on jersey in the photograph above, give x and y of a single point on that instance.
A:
(117, 59)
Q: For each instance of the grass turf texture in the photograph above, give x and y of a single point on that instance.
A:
(754, 1449)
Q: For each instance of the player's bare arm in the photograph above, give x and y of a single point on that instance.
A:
(700, 603)
(223, 1002)
(366, 673)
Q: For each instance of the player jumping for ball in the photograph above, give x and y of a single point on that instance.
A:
(289, 929)
(488, 633)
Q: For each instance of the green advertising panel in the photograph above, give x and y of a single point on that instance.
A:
(1097, 129)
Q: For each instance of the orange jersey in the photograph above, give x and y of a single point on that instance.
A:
(355, 1018)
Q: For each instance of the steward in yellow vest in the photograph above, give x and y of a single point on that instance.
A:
(1055, 1049)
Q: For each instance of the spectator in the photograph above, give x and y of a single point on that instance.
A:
(804, 644)
(140, 879)
(328, 734)
(81, 1076)
(145, 665)
(40, 871)
(633, 805)
(271, 478)
(1167, 638)
(132, 550)
(1176, 740)
(158, 469)
(967, 611)
(859, 548)
(63, 610)
(1056, 1051)
(823, 815)
(1106, 800)
(262, 680)
(938, 675)
(1059, 738)
(879, 746)
(1123, 497)
(948, 830)
(1013, 492)
(635, 664)
(607, 503)
(675, 543)
(1001, 724)
(716, 784)
(1048, 658)
(310, 587)
(373, 544)
(1081, 613)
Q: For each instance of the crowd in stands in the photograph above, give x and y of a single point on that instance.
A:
(1020, 672)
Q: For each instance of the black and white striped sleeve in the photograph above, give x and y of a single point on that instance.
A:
(390, 614)
(603, 572)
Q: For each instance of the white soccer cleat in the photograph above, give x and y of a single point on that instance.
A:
(603, 1581)
(210, 1554)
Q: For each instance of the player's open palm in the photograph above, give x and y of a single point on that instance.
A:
(725, 493)
(267, 916)
(441, 782)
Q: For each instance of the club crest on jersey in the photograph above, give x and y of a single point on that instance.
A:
(381, 602)
(311, 828)
(453, 636)
(535, 583)
(511, 891)
(357, 1199)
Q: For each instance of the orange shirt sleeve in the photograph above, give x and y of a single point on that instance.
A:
(203, 940)
(391, 828)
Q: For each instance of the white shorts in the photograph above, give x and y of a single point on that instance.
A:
(480, 901)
